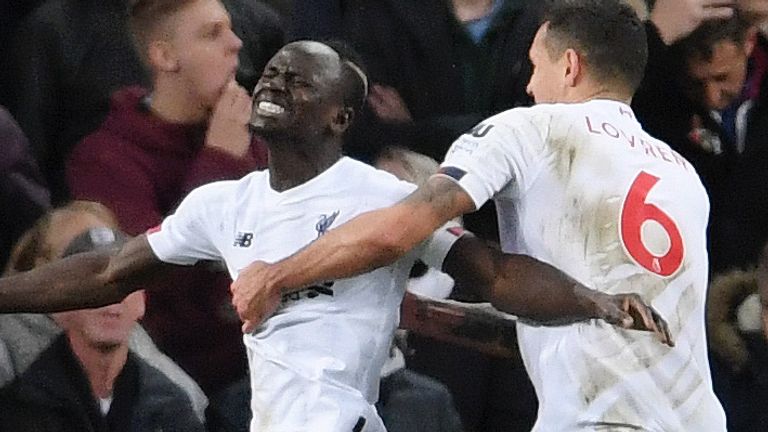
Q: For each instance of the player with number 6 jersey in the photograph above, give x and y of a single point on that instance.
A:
(584, 188)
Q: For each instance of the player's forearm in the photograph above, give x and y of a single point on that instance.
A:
(368, 241)
(538, 292)
(77, 282)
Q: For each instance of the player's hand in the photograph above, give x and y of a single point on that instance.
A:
(630, 312)
(676, 19)
(388, 105)
(252, 296)
(228, 126)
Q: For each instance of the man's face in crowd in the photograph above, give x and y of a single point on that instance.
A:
(205, 48)
(547, 77)
(103, 328)
(718, 81)
(107, 327)
(298, 93)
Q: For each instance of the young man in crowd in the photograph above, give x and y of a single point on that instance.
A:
(157, 144)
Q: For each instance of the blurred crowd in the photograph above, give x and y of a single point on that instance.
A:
(102, 135)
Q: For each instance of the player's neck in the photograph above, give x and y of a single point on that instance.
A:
(102, 367)
(593, 93)
(291, 166)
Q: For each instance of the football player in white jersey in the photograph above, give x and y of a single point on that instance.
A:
(314, 364)
(580, 185)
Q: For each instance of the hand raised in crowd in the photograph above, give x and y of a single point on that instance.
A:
(252, 296)
(228, 127)
(388, 105)
(676, 19)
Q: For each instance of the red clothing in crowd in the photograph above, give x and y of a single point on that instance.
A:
(141, 167)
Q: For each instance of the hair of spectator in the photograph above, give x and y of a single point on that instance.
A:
(98, 238)
(701, 43)
(354, 76)
(33, 246)
(607, 34)
(145, 17)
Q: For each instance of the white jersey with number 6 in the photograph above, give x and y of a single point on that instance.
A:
(583, 187)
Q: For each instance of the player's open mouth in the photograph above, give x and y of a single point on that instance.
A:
(269, 108)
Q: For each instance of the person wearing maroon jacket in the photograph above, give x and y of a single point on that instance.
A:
(155, 146)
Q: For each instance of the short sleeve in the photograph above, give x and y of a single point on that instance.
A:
(434, 249)
(185, 237)
(503, 151)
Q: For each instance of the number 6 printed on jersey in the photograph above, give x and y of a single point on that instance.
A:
(634, 213)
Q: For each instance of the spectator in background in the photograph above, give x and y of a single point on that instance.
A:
(739, 348)
(705, 72)
(156, 146)
(762, 287)
(87, 378)
(68, 56)
(410, 401)
(437, 68)
(23, 195)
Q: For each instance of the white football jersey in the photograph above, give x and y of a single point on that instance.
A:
(584, 188)
(337, 333)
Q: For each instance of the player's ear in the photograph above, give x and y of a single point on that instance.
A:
(574, 67)
(343, 120)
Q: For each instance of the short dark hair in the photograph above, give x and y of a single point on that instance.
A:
(701, 43)
(354, 76)
(608, 34)
(145, 18)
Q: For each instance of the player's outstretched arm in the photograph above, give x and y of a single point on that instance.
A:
(538, 292)
(80, 281)
(371, 240)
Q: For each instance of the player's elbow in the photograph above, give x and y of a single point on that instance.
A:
(506, 291)
(393, 235)
(390, 246)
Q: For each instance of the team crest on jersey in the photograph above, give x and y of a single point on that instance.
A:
(325, 222)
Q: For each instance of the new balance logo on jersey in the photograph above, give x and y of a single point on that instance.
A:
(243, 239)
(325, 222)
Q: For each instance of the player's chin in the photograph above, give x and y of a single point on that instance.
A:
(267, 127)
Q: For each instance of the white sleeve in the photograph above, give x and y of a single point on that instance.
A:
(503, 151)
(184, 238)
(434, 249)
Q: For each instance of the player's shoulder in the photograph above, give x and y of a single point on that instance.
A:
(375, 181)
(537, 119)
(222, 191)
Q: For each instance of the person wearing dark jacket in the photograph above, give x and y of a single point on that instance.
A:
(703, 93)
(23, 195)
(54, 396)
(440, 72)
(87, 379)
(69, 56)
